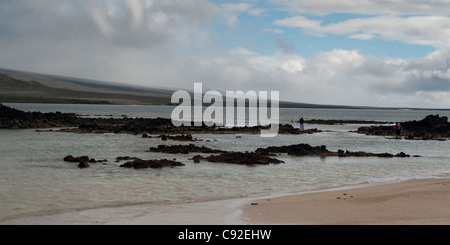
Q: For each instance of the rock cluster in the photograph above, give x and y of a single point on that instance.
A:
(296, 150)
(261, 155)
(183, 149)
(341, 122)
(83, 161)
(308, 150)
(13, 119)
(139, 163)
(242, 158)
(341, 153)
(432, 127)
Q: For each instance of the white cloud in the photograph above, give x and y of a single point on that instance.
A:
(423, 30)
(310, 26)
(368, 7)
(101, 20)
(257, 11)
(236, 7)
(335, 77)
(362, 36)
(137, 9)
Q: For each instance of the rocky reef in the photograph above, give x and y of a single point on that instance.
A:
(261, 156)
(341, 121)
(139, 163)
(432, 127)
(241, 158)
(183, 149)
(264, 155)
(11, 118)
(83, 161)
(296, 150)
(322, 151)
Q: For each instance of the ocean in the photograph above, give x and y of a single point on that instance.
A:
(34, 179)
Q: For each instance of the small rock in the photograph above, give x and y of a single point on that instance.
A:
(83, 165)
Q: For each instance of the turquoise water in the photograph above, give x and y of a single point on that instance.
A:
(35, 180)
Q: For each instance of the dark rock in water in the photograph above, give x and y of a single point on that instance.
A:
(289, 129)
(92, 160)
(432, 127)
(341, 153)
(83, 165)
(182, 137)
(296, 150)
(13, 119)
(242, 158)
(402, 154)
(118, 159)
(71, 158)
(83, 161)
(342, 121)
(139, 163)
(308, 150)
(183, 149)
(197, 158)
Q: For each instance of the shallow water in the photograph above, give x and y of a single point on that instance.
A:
(35, 180)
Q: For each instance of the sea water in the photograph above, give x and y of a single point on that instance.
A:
(34, 179)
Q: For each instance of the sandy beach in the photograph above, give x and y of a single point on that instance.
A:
(413, 202)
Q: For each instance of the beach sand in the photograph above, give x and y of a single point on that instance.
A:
(414, 202)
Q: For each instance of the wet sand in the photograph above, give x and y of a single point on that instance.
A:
(414, 202)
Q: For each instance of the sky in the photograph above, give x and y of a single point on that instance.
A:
(387, 53)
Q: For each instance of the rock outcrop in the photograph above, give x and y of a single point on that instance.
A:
(83, 161)
(242, 158)
(139, 163)
(322, 151)
(296, 150)
(183, 149)
(15, 119)
(432, 127)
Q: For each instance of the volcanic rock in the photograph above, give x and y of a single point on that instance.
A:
(247, 158)
(183, 149)
(297, 150)
(139, 163)
(432, 127)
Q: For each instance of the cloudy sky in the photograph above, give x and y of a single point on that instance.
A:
(365, 52)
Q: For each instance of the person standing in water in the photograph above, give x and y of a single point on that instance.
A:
(397, 129)
(302, 125)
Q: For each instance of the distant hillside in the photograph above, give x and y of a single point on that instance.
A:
(30, 87)
(19, 86)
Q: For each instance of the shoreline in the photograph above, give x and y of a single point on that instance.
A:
(410, 202)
